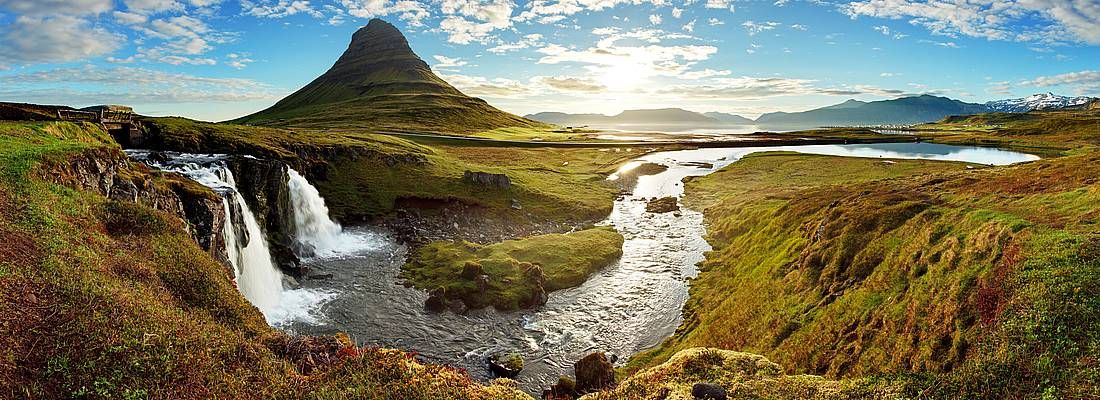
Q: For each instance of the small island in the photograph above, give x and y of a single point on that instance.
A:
(512, 274)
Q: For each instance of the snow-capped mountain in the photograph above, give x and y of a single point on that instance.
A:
(1042, 101)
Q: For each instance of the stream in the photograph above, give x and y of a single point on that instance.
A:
(627, 307)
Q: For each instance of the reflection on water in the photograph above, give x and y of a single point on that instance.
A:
(629, 306)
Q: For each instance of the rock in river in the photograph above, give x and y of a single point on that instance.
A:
(662, 205)
(506, 365)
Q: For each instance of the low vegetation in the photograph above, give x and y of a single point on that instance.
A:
(1048, 133)
(108, 299)
(945, 279)
(513, 273)
(365, 176)
(742, 376)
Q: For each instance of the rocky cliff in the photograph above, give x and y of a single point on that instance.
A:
(263, 184)
(109, 172)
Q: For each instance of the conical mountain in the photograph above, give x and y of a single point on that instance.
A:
(380, 83)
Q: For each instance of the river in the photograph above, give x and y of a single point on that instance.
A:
(629, 306)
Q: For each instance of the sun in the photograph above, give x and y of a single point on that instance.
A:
(622, 76)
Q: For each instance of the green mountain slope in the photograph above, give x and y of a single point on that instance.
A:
(380, 83)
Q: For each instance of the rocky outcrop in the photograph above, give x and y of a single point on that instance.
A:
(109, 172)
(662, 205)
(594, 373)
(263, 184)
(487, 179)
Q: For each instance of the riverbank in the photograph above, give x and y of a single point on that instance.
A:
(852, 268)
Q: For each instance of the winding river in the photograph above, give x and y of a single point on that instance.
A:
(627, 307)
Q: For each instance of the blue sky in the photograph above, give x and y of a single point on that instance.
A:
(219, 59)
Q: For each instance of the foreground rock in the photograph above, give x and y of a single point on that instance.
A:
(594, 373)
(506, 365)
(662, 205)
(703, 373)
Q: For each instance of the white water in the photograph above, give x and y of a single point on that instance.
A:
(312, 224)
(257, 278)
(254, 271)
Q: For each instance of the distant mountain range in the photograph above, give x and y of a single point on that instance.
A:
(907, 110)
(669, 116)
(902, 111)
(1042, 101)
(380, 83)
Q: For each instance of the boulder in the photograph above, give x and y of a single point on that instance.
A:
(594, 373)
(708, 391)
(472, 270)
(662, 205)
(499, 181)
(506, 365)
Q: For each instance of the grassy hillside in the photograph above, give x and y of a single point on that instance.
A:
(966, 282)
(1051, 132)
(108, 299)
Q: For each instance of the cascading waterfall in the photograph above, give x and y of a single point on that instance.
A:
(315, 232)
(254, 270)
(257, 278)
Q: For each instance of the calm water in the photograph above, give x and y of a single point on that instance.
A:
(627, 307)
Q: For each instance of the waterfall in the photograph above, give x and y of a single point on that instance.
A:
(257, 277)
(316, 233)
(254, 270)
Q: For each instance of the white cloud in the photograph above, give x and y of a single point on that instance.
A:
(799, 27)
(677, 12)
(753, 88)
(689, 27)
(280, 9)
(719, 4)
(410, 11)
(474, 21)
(715, 22)
(95, 85)
(30, 40)
(625, 67)
(152, 6)
(529, 40)
(1020, 20)
(1083, 83)
(46, 8)
(448, 62)
(569, 84)
(238, 61)
(655, 19)
(754, 27)
(129, 18)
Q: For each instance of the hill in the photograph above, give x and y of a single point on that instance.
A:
(907, 110)
(380, 83)
(728, 118)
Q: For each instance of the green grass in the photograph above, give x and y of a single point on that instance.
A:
(966, 282)
(364, 176)
(103, 299)
(1052, 132)
(519, 271)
